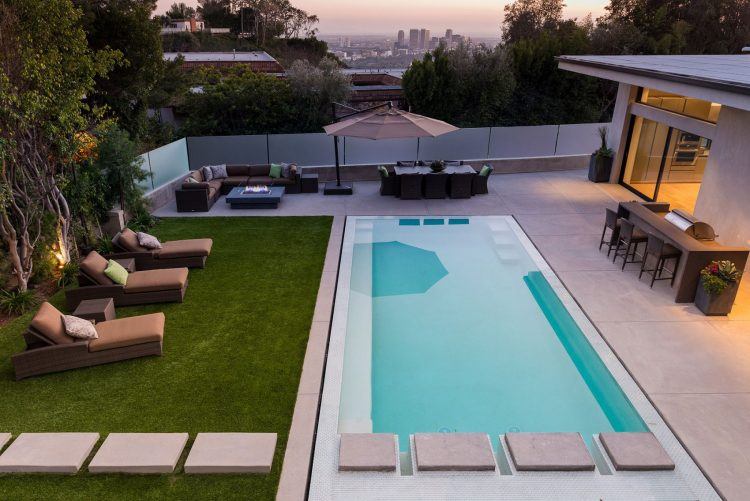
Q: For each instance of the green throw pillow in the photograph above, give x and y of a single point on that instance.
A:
(485, 171)
(383, 171)
(116, 272)
(275, 171)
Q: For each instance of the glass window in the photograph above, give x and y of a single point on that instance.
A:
(695, 108)
(643, 163)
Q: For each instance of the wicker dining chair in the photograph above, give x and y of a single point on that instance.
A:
(611, 223)
(460, 185)
(436, 185)
(627, 243)
(411, 186)
(660, 251)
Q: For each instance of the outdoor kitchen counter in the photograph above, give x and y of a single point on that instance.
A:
(696, 254)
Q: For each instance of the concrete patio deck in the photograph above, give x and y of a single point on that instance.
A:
(695, 369)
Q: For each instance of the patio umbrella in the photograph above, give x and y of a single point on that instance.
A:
(390, 123)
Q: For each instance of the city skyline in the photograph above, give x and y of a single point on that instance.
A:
(386, 17)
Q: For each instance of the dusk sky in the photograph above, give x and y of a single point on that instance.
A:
(470, 17)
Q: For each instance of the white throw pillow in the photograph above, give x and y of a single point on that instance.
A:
(208, 174)
(79, 328)
(148, 241)
(218, 171)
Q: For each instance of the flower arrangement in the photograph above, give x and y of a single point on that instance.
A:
(718, 275)
(437, 166)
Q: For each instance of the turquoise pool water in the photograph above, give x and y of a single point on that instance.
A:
(452, 328)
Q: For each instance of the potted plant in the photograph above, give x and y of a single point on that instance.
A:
(600, 165)
(437, 166)
(717, 288)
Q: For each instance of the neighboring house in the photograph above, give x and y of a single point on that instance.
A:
(258, 61)
(179, 25)
(371, 88)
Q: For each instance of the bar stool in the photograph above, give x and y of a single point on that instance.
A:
(662, 252)
(631, 237)
(612, 223)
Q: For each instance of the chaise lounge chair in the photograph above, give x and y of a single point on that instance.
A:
(173, 254)
(142, 287)
(50, 349)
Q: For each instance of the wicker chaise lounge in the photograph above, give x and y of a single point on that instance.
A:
(142, 287)
(173, 254)
(50, 349)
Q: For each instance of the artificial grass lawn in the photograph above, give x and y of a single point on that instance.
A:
(232, 360)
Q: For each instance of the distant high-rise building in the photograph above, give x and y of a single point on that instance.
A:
(413, 39)
(449, 38)
(434, 42)
(401, 39)
(424, 39)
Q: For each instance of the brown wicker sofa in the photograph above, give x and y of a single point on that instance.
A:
(173, 254)
(142, 287)
(200, 196)
(50, 349)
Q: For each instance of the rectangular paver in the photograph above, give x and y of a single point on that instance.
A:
(48, 452)
(453, 452)
(367, 452)
(549, 452)
(231, 453)
(139, 453)
(636, 451)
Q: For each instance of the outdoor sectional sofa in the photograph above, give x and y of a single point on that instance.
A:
(50, 349)
(173, 254)
(200, 196)
(142, 287)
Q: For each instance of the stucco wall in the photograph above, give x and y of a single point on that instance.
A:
(724, 198)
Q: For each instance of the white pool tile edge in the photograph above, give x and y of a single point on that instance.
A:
(326, 483)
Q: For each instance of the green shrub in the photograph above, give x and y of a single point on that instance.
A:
(67, 274)
(142, 221)
(15, 302)
(104, 246)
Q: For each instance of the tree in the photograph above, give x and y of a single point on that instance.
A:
(125, 26)
(180, 11)
(217, 13)
(46, 69)
(118, 159)
(316, 88)
(277, 18)
(526, 19)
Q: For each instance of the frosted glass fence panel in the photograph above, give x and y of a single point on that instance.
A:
(578, 139)
(386, 151)
(169, 162)
(521, 142)
(312, 150)
(463, 144)
(147, 184)
(227, 150)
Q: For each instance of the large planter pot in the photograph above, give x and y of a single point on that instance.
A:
(600, 169)
(716, 304)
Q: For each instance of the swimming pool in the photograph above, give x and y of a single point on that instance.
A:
(453, 328)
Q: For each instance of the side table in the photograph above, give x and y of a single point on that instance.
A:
(309, 183)
(96, 310)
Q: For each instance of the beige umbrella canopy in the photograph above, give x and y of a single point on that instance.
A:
(389, 124)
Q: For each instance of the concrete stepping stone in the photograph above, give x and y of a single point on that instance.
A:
(4, 437)
(231, 453)
(453, 452)
(367, 452)
(549, 452)
(48, 453)
(139, 453)
(635, 451)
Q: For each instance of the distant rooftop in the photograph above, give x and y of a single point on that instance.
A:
(215, 57)
(729, 73)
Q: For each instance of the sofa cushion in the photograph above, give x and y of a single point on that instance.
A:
(128, 240)
(288, 170)
(235, 181)
(148, 241)
(49, 322)
(219, 171)
(238, 170)
(208, 174)
(261, 180)
(128, 332)
(195, 186)
(116, 272)
(259, 170)
(157, 280)
(212, 192)
(282, 181)
(94, 265)
(216, 183)
(197, 175)
(79, 327)
(185, 248)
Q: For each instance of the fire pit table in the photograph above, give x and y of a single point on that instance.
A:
(239, 199)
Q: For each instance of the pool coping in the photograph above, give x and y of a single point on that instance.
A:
(323, 469)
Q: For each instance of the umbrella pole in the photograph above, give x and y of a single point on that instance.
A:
(337, 188)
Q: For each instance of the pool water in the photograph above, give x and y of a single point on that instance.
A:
(453, 328)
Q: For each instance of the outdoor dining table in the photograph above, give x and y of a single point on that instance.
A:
(449, 169)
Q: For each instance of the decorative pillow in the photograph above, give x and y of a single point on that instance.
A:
(275, 171)
(486, 170)
(116, 272)
(383, 171)
(79, 328)
(288, 169)
(218, 171)
(191, 180)
(148, 241)
(208, 174)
